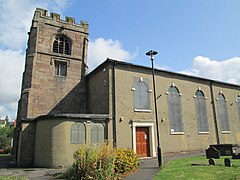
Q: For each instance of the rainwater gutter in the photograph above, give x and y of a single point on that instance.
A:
(214, 113)
(114, 105)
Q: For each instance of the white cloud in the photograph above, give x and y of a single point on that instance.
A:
(157, 66)
(226, 70)
(101, 49)
(11, 63)
(16, 17)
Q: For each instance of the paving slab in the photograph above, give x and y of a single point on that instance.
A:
(31, 173)
(148, 168)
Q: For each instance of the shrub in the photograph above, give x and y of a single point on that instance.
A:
(101, 162)
(92, 163)
(6, 135)
(125, 160)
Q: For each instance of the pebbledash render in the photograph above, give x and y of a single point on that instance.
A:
(63, 107)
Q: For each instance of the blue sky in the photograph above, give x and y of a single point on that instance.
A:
(178, 30)
(200, 38)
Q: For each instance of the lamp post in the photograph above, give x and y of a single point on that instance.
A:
(151, 53)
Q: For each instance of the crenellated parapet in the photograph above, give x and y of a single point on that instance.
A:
(55, 19)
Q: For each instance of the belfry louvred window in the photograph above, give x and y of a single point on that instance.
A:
(62, 45)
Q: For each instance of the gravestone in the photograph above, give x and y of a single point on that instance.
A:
(236, 152)
(212, 152)
(236, 156)
(211, 161)
(227, 162)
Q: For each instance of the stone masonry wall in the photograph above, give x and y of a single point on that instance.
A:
(47, 93)
(43, 92)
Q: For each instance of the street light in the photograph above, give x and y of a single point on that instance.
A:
(152, 53)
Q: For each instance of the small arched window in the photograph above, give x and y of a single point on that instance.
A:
(97, 133)
(175, 109)
(201, 112)
(62, 45)
(223, 113)
(78, 133)
(141, 96)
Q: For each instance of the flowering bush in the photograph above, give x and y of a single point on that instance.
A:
(101, 162)
(125, 160)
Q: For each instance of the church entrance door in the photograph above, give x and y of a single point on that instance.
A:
(142, 142)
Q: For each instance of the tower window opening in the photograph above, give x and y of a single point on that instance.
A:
(61, 45)
(60, 68)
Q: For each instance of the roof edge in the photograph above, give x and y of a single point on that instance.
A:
(108, 61)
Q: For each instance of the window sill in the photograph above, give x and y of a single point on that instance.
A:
(142, 110)
(177, 133)
(226, 132)
(61, 54)
(203, 133)
(59, 76)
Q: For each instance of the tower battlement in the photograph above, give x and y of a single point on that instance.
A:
(43, 14)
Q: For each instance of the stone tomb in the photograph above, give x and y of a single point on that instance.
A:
(212, 152)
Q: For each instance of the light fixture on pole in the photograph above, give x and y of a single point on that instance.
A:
(152, 53)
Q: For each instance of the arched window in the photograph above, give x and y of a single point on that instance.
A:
(201, 112)
(62, 45)
(238, 105)
(78, 133)
(175, 110)
(222, 111)
(97, 133)
(141, 96)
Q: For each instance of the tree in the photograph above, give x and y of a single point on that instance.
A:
(6, 135)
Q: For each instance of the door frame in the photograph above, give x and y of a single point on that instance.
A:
(149, 125)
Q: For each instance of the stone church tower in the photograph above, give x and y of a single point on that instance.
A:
(54, 76)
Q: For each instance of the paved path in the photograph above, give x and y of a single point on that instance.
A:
(31, 173)
(148, 168)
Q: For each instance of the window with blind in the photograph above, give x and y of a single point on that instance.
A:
(97, 133)
(175, 109)
(238, 106)
(222, 112)
(141, 95)
(201, 112)
(78, 133)
(60, 68)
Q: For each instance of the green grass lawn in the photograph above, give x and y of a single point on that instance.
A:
(3, 155)
(183, 168)
(12, 178)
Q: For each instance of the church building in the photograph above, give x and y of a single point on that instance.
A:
(62, 106)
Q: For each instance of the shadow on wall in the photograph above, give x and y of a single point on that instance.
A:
(44, 143)
(27, 142)
(73, 103)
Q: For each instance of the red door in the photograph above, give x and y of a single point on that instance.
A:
(142, 144)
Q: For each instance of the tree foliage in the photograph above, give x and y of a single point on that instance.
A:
(6, 135)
